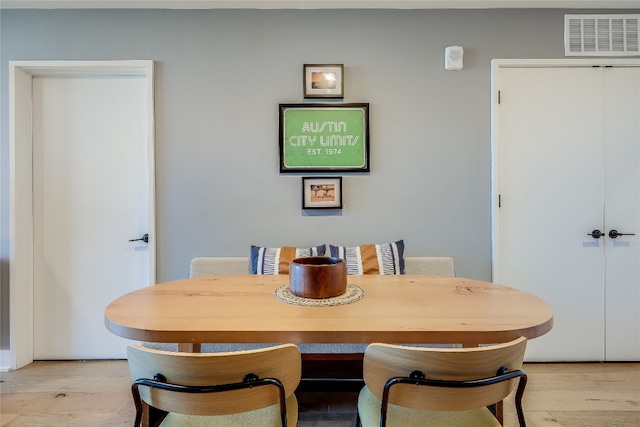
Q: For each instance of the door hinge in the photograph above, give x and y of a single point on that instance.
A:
(499, 200)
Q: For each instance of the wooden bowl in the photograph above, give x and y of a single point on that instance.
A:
(318, 277)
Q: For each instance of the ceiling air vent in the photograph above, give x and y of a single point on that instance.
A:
(601, 35)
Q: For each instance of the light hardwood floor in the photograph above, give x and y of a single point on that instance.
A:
(96, 393)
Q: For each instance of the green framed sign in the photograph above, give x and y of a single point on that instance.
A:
(324, 137)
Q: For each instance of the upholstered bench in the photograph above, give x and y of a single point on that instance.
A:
(212, 266)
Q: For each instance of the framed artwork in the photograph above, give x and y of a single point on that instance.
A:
(323, 80)
(324, 137)
(322, 192)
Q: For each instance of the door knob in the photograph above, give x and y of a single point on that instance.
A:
(144, 238)
(596, 234)
(614, 234)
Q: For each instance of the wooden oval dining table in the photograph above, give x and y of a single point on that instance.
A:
(393, 309)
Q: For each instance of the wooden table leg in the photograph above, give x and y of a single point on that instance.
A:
(189, 347)
(144, 422)
(498, 406)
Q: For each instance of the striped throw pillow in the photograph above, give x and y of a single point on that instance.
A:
(386, 258)
(276, 260)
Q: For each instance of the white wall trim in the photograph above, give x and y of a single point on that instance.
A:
(496, 65)
(316, 4)
(21, 265)
(4, 360)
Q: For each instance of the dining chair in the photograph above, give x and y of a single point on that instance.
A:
(416, 386)
(239, 388)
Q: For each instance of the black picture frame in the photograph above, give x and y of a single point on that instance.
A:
(319, 137)
(323, 81)
(320, 192)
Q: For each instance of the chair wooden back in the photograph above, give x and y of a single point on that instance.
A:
(282, 362)
(384, 361)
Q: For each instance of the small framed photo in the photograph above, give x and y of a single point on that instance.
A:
(322, 192)
(323, 81)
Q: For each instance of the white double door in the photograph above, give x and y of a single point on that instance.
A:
(566, 163)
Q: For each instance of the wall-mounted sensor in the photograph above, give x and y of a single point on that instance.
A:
(453, 58)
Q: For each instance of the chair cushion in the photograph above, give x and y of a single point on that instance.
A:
(276, 260)
(269, 416)
(386, 258)
(398, 416)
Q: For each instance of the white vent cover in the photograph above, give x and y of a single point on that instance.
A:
(601, 35)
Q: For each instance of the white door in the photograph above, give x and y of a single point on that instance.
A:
(622, 213)
(90, 197)
(551, 190)
(554, 183)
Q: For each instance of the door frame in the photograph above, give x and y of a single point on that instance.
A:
(21, 263)
(496, 65)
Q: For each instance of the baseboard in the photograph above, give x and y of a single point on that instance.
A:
(331, 372)
(332, 365)
(323, 385)
(5, 360)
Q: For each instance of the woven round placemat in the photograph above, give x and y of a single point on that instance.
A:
(352, 294)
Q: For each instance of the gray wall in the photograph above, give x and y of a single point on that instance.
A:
(220, 75)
